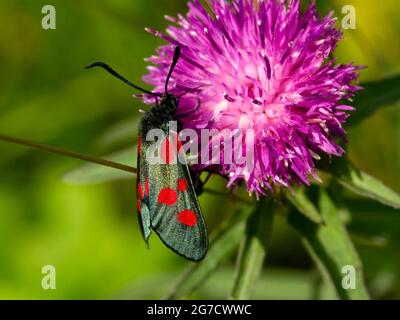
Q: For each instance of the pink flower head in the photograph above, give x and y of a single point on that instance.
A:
(266, 67)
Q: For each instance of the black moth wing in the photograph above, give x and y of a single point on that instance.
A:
(175, 213)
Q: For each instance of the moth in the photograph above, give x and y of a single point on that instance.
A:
(166, 196)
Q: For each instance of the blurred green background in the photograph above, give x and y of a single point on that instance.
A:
(90, 232)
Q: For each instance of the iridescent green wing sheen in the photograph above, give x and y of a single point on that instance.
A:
(175, 213)
(143, 191)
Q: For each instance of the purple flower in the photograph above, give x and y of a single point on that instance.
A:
(266, 67)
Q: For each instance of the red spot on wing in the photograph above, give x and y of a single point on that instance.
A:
(187, 217)
(139, 207)
(167, 151)
(146, 188)
(182, 185)
(140, 191)
(170, 148)
(167, 196)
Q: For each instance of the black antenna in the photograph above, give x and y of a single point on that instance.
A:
(177, 54)
(117, 75)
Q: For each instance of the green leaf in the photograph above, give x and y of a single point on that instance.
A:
(224, 241)
(92, 173)
(374, 96)
(299, 199)
(363, 184)
(330, 247)
(278, 284)
(374, 221)
(253, 250)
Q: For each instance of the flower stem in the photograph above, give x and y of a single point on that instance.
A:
(67, 153)
(253, 250)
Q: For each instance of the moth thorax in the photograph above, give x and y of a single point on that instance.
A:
(160, 114)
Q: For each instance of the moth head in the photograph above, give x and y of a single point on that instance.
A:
(170, 100)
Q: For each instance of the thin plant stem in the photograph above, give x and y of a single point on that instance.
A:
(67, 153)
(89, 158)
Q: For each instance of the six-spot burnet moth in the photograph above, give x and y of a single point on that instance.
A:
(166, 197)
